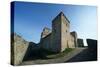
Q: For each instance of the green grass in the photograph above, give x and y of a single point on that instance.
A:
(47, 54)
(61, 54)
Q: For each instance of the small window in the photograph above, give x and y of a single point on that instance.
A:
(66, 30)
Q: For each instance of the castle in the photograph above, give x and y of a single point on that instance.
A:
(60, 37)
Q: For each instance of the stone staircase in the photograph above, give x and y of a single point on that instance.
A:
(67, 57)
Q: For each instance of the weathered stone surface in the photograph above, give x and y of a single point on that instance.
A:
(80, 42)
(32, 51)
(60, 37)
(92, 48)
(74, 34)
(45, 32)
(18, 49)
(92, 43)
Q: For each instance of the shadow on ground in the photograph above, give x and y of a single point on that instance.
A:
(89, 54)
(34, 52)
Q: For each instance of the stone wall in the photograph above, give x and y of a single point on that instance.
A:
(92, 43)
(18, 49)
(74, 35)
(92, 48)
(46, 42)
(46, 31)
(71, 41)
(60, 38)
(65, 33)
(56, 33)
(80, 42)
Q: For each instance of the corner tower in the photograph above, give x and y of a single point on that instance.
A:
(60, 32)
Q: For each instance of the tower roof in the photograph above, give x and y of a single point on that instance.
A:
(61, 14)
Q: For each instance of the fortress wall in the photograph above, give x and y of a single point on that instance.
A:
(74, 35)
(65, 33)
(80, 42)
(71, 42)
(18, 49)
(60, 38)
(46, 42)
(56, 34)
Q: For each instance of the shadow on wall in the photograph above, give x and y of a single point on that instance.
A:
(34, 52)
(31, 52)
(80, 42)
(92, 43)
(92, 46)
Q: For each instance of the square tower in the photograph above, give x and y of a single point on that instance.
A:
(60, 32)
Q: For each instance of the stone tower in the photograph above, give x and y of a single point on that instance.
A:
(60, 32)
(60, 37)
(45, 32)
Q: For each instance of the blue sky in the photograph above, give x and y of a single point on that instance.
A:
(31, 18)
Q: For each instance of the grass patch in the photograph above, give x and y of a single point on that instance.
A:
(47, 54)
(61, 54)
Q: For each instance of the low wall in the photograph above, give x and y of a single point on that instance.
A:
(18, 49)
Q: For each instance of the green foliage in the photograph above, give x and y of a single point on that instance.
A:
(61, 54)
(67, 50)
(47, 54)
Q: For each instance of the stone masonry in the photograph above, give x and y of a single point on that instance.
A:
(18, 49)
(56, 39)
(60, 37)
